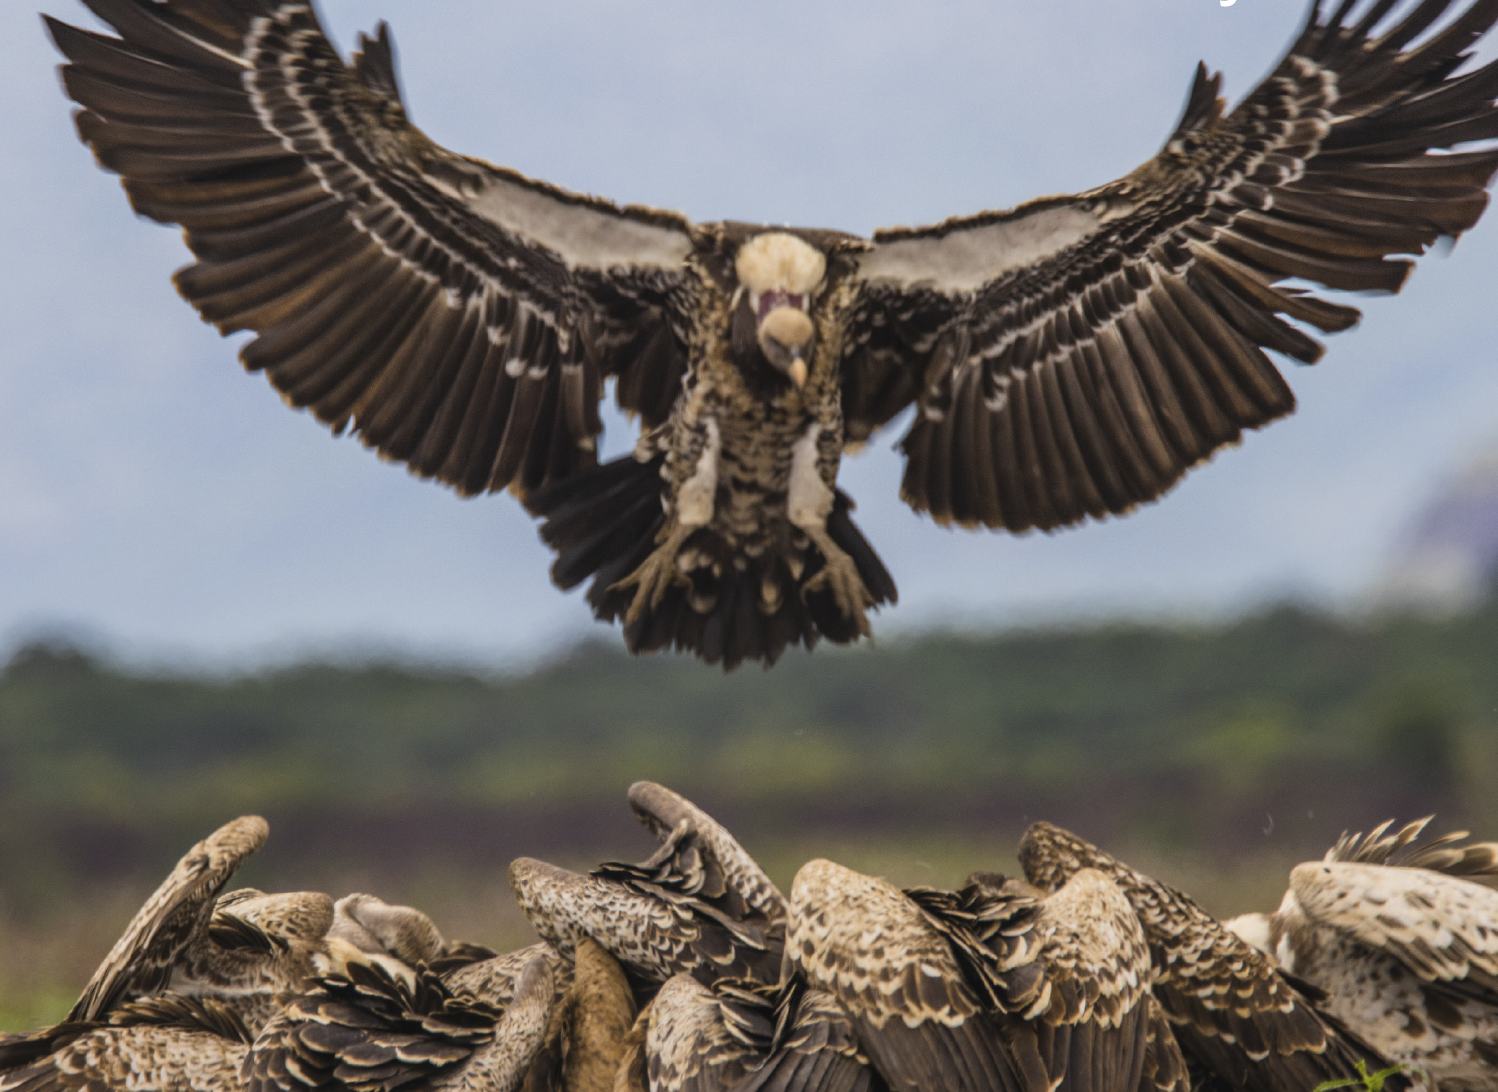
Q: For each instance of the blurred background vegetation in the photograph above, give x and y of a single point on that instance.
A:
(1215, 756)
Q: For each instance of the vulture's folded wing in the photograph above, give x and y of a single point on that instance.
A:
(1074, 356)
(456, 316)
(1230, 1010)
(163, 1043)
(141, 961)
(1440, 927)
(889, 961)
(662, 811)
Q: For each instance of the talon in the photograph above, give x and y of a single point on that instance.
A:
(839, 575)
(655, 576)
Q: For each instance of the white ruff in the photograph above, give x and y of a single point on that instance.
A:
(776, 260)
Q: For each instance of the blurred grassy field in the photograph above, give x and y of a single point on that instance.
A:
(1214, 757)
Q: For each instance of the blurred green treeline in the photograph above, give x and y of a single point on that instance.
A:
(1258, 740)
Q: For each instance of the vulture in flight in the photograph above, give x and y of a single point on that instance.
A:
(1068, 358)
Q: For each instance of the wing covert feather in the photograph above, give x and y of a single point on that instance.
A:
(142, 960)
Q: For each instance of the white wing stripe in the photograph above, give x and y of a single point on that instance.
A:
(966, 259)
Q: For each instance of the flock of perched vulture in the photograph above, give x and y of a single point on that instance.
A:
(692, 972)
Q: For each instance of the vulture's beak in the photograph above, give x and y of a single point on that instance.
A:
(785, 335)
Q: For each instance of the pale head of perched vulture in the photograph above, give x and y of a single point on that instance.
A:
(779, 273)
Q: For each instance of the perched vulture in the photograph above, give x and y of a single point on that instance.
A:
(243, 948)
(996, 988)
(1239, 1021)
(675, 913)
(1067, 359)
(165, 1043)
(1405, 943)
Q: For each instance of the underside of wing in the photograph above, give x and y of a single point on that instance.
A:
(1073, 357)
(457, 317)
(142, 959)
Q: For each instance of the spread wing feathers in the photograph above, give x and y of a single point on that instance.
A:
(1477, 862)
(142, 960)
(654, 919)
(370, 1030)
(1078, 354)
(1229, 1007)
(736, 939)
(663, 811)
(161, 1044)
(457, 316)
(751, 1037)
(1442, 928)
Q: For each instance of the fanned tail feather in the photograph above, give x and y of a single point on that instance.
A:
(728, 607)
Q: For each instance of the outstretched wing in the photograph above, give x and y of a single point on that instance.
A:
(1073, 357)
(456, 316)
(142, 959)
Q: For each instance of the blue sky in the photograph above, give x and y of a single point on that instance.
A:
(154, 494)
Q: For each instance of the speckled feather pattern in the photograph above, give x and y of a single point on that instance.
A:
(1227, 1004)
(662, 811)
(1404, 941)
(993, 986)
(166, 1044)
(173, 919)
